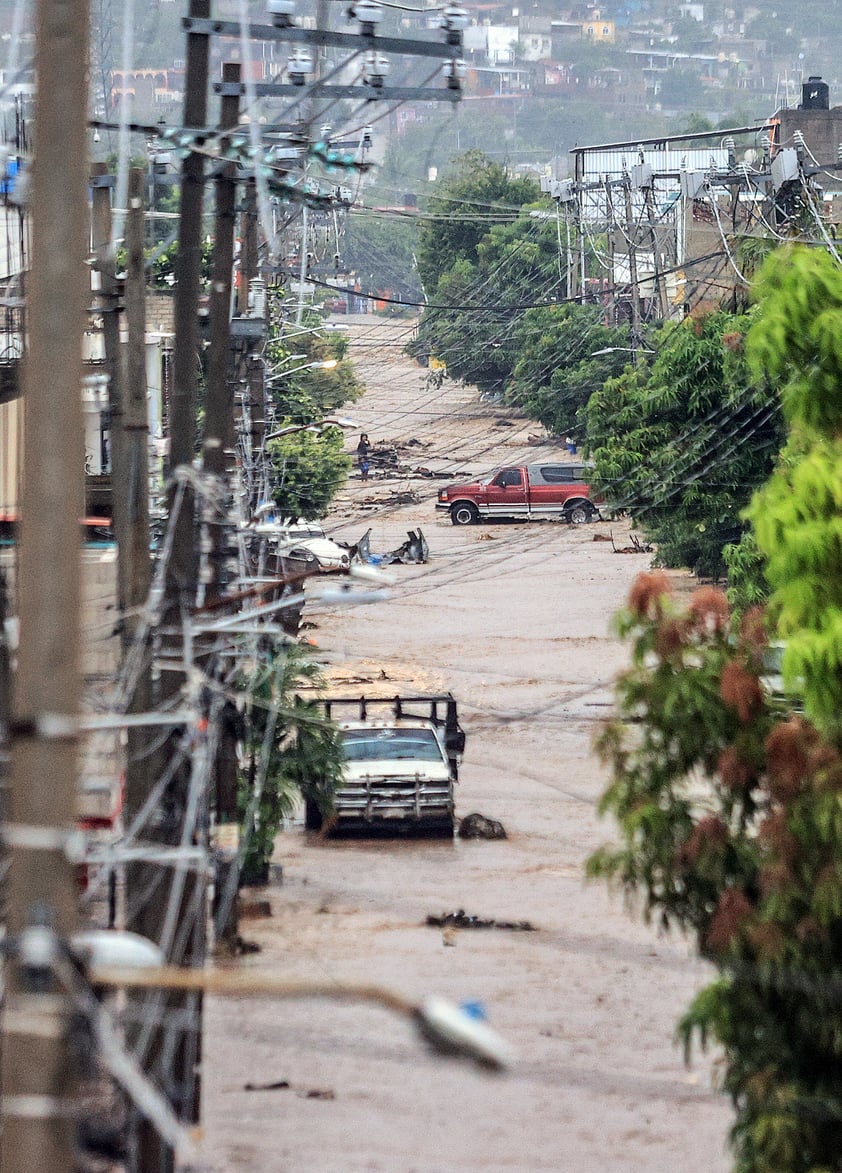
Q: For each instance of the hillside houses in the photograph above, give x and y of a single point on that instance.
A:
(636, 54)
(657, 56)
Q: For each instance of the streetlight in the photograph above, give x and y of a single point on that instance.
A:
(327, 365)
(329, 326)
(447, 1028)
(622, 350)
(312, 426)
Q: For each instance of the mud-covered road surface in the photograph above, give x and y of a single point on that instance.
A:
(515, 620)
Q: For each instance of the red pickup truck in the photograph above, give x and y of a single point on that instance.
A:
(523, 491)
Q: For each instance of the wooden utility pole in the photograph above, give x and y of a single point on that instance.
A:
(181, 577)
(39, 1081)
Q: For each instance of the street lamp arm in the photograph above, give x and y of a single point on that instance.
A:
(623, 350)
(447, 1027)
(312, 426)
(327, 365)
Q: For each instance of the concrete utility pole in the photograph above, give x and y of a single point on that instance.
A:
(631, 244)
(173, 1052)
(109, 300)
(39, 1081)
(217, 458)
(135, 573)
(657, 280)
(251, 370)
(248, 247)
(611, 228)
(135, 414)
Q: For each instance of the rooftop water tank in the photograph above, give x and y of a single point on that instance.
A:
(815, 94)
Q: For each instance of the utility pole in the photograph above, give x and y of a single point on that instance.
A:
(181, 573)
(218, 442)
(631, 244)
(39, 1081)
(248, 247)
(569, 254)
(660, 292)
(302, 268)
(219, 399)
(135, 416)
(612, 289)
(133, 544)
(582, 255)
(251, 371)
(109, 300)
(177, 1064)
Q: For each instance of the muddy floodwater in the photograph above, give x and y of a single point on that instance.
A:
(515, 621)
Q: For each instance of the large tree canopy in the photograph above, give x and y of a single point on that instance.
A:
(564, 354)
(461, 212)
(682, 442)
(487, 274)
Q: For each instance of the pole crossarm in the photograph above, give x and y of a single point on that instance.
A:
(354, 42)
(371, 93)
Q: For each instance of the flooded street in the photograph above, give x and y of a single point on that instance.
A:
(515, 621)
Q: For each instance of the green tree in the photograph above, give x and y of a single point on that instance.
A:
(558, 366)
(730, 812)
(681, 88)
(477, 348)
(289, 751)
(682, 442)
(307, 471)
(797, 517)
(308, 393)
(472, 323)
(459, 213)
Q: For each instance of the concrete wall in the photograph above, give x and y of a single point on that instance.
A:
(822, 130)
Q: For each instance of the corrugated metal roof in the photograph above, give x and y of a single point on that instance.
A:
(596, 164)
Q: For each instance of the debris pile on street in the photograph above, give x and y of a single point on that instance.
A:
(411, 552)
(391, 458)
(636, 547)
(463, 920)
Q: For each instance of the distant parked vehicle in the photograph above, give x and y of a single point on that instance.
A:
(522, 492)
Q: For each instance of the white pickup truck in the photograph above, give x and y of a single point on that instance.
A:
(401, 763)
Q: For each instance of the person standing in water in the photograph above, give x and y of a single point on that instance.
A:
(362, 456)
